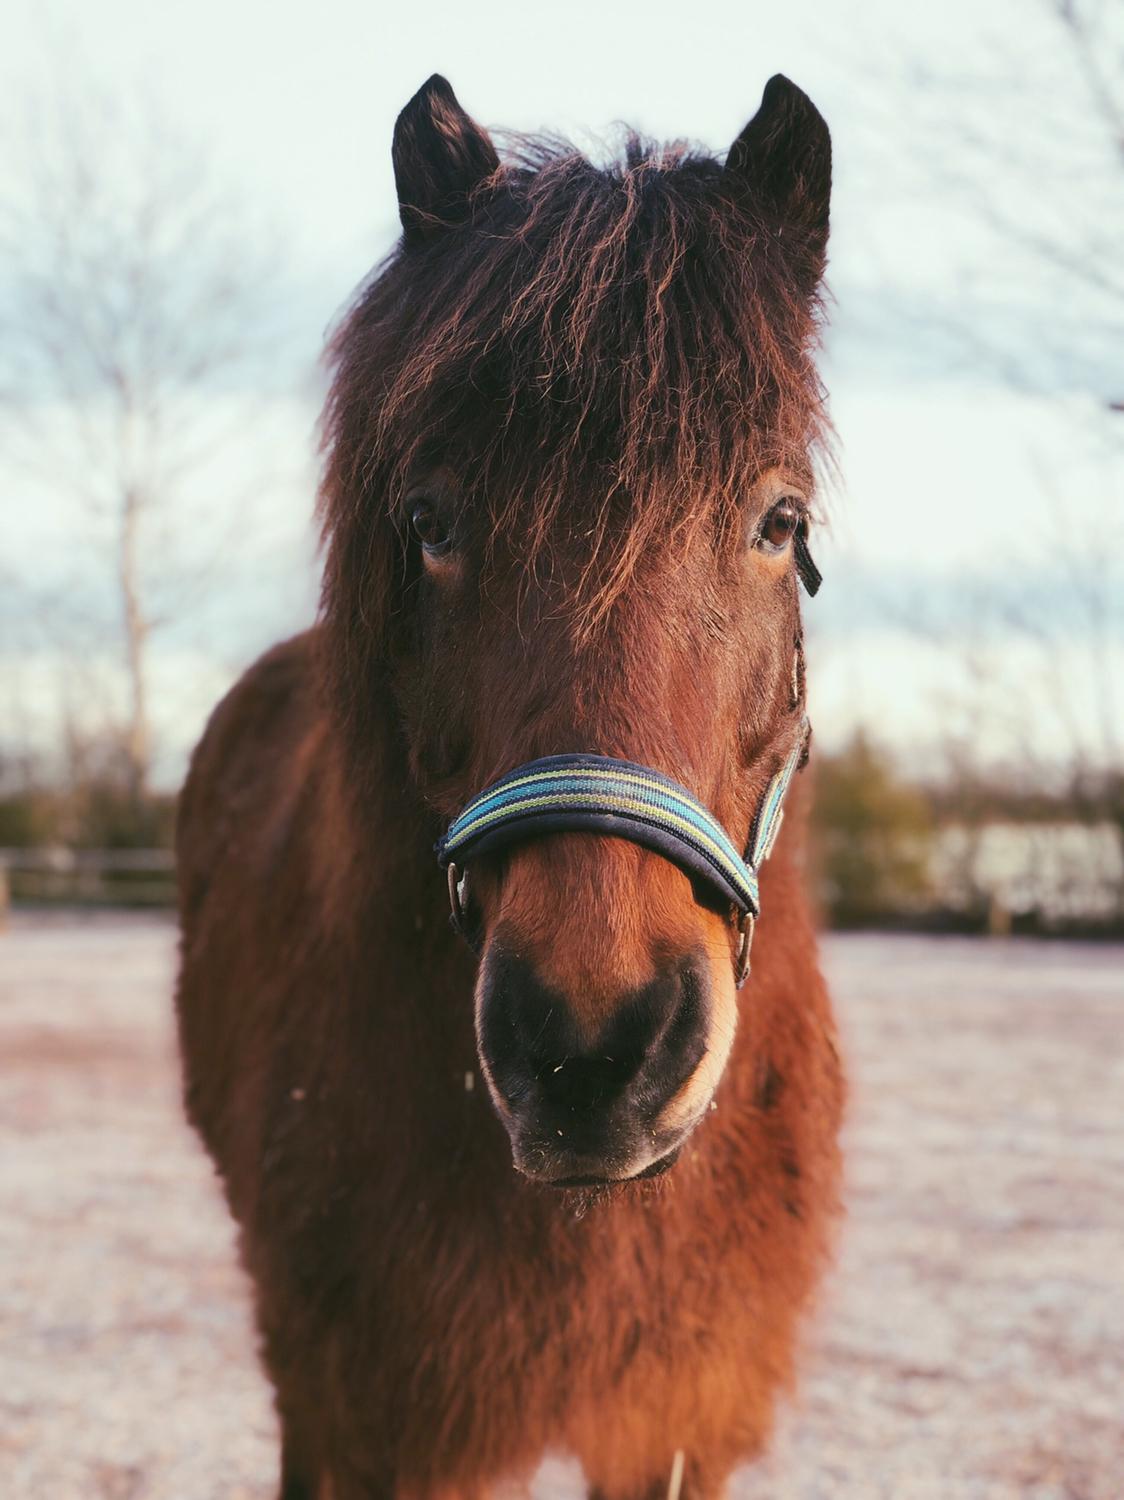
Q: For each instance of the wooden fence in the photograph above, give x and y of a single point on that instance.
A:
(87, 877)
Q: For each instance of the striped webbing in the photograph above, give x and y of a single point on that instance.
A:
(563, 793)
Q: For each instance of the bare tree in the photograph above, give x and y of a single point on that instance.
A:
(138, 337)
(1013, 174)
(1021, 141)
(1060, 217)
(1015, 163)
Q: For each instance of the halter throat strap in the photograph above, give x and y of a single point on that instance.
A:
(597, 794)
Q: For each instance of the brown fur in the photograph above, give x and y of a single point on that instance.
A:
(606, 367)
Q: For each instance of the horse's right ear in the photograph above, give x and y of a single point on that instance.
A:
(782, 162)
(440, 156)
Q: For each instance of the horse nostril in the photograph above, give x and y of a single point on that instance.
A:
(584, 1082)
(686, 1021)
(540, 1057)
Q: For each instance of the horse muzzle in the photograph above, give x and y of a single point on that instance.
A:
(581, 1107)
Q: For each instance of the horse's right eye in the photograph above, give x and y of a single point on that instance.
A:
(429, 529)
(780, 525)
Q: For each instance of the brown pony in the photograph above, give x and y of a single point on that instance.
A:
(570, 444)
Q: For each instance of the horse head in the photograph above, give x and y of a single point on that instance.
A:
(571, 447)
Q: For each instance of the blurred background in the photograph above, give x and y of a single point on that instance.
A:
(188, 196)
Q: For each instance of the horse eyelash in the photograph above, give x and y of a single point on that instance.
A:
(810, 575)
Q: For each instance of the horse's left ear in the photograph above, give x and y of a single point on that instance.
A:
(440, 155)
(782, 160)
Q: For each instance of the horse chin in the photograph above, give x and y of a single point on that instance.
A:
(654, 1169)
(563, 1173)
(581, 1195)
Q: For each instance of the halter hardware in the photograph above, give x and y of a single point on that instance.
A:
(746, 923)
(457, 912)
(567, 793)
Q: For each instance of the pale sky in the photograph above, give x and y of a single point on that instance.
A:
(947, 474)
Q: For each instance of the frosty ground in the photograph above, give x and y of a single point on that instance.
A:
(970, 1344)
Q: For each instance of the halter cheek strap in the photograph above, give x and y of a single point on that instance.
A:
(596, 794)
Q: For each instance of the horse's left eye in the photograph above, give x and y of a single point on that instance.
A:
(780, 525)
(429, 529)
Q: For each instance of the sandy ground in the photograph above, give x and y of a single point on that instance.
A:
(971, 1343)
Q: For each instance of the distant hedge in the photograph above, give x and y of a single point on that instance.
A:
(871, 837)
(94, 815)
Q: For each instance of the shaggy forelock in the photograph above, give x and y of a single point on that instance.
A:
(605, 355)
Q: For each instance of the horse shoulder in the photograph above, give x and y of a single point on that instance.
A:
(253, 796)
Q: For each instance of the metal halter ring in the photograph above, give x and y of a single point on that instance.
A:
(746, 924)
(458, 908)
(456, 904)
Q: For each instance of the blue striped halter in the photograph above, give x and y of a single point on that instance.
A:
(593, 793)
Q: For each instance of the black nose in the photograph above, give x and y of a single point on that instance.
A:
(581, 1099)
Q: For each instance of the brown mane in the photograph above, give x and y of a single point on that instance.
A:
(506, 350)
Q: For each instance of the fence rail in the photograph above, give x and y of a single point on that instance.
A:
(87, 877)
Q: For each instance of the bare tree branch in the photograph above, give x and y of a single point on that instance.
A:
(136, 350)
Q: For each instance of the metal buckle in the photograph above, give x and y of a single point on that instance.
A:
(741, 962)
(456, 900)
(458, 908)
